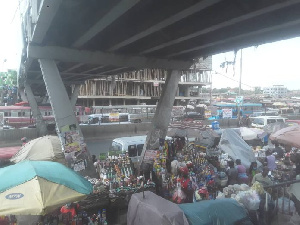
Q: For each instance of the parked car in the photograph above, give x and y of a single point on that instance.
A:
(261, 121)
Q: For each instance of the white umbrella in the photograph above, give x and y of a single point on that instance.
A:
(47, 148)
(248, 134)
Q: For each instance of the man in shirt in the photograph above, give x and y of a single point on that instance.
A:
(262, 177)
(279, 151)
(270, 159)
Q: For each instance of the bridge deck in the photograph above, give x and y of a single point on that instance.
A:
(90, 39)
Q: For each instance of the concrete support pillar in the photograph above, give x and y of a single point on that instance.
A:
(124, 101)
(59, 100)
(64, 115)
(94, 102)
(163, 111)
(36, 113)
(74, 95)
(138, 102)
(109, 102)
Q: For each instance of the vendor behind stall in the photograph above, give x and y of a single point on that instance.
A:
(279, 151)
(253, 170)
(270, 160)
(69, 210)
(232, 173)
(242, 175)
(263, 177)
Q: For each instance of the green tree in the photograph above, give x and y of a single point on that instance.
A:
(8, 78)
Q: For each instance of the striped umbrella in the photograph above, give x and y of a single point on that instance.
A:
(39, 187)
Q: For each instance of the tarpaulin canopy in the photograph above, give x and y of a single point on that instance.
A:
(216, 212)
(185, 129)
(208, 139)
(288, 136)
(232, 143)
(154, 210)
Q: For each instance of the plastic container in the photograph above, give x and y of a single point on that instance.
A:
(215, 125)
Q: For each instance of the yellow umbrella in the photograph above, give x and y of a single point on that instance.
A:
(39, 187)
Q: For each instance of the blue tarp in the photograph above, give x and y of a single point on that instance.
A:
(215, 212)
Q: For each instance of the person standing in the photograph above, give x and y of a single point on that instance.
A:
(24, 141)
(279, 151)
(270, 160)
(232, 174)
(252, 171)
(242, 175)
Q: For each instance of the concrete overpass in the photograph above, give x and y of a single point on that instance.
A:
(69, 41)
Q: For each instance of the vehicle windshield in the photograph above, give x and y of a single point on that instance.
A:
(115, 146)
(258, 121)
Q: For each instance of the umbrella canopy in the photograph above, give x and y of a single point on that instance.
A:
(273, 127)
(248, 134)
(39, 187)
(279, 104)
(47, 148)
(288, 136)
(8, 152)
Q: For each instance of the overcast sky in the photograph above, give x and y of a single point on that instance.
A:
(265, 65)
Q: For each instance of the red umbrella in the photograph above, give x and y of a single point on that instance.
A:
(8, 152)
(287, 136)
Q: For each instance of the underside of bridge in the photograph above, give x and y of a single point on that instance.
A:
(69, 41)
(90, 39)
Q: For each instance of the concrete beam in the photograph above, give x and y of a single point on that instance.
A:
(163, 111)
(225, 24)
(121, 8)
(73, 68)
(31, 81)
(169, 21)
(102, 58)
(239, 37)
(47, 12)
(108, 72)
(40, 123)
(91, 70)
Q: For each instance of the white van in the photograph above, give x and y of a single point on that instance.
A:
(261, 121)
(133, 145)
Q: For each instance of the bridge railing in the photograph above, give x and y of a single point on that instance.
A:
(284, 202)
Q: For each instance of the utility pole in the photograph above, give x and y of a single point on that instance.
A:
(240, 85)
(210, 97)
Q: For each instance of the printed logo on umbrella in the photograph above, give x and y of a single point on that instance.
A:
(14, 196)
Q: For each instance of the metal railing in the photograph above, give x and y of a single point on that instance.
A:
(279, 195)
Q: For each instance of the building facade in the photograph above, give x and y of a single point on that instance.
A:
(145, 87)
(275, 91)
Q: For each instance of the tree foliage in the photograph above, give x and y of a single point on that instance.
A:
(8, 78)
